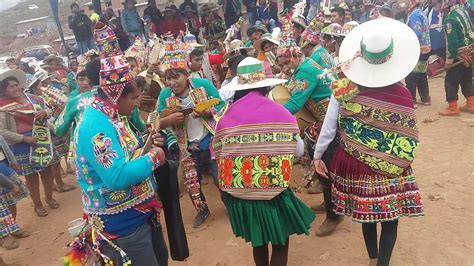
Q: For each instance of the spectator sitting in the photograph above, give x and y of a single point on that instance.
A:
(131, 21)
(299, 25)
(254, 34)
(171, 23)
(264, 15)
(361, 15)
(338, 14)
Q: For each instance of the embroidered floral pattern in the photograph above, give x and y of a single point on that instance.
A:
(256, 138)
(344, 89)
(255, 172)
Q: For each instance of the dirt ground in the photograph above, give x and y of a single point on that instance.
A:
(444, 169)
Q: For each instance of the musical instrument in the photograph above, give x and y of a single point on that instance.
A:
(281, 95)
(271, 57)
(200, 107)
(153, 84)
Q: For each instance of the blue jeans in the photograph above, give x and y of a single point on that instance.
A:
(144, 247)
(252, 17)
(313, 11)
(85, 46)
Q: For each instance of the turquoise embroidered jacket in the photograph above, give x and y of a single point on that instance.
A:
(306, 85)
(110, 180)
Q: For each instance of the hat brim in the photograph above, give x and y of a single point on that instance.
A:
(259, 43)
(401, 63)
(196, 45)
(48, 60)
(235, 86)
(16, 73)
(232, 52)
(36, 80)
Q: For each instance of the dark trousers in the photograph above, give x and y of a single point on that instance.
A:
(202, 158)
(383, 251)
(326, 183)
(418, 81)
(459, 75)
(144, 247)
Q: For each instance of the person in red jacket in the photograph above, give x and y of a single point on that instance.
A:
(172, 23)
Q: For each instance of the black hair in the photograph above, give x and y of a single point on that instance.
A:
(81, 73)
(339, 10)
(73, 4)
(174, 72)
(93, 71)
(234, 61)
(198, 52)
(251, 31)
(298, 26)
(240, 94)
(5, 82)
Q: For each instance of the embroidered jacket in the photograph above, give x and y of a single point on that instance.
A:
(459, 32)
(307, 88)
(118, 192)
(418, 22)
(322, 57)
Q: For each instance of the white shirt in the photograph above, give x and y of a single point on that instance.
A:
(328, 130)
(195, 129)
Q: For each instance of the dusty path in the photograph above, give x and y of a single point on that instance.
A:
(445, 172)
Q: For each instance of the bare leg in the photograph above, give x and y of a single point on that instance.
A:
(47, 177)
(57, 175)
(32, 182)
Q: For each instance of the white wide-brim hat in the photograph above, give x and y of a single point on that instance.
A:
(250, 75)
(377, 35)
(16, 73)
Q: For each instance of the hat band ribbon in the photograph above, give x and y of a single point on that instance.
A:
(250, 74)
(376, 58)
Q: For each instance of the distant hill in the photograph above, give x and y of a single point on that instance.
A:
(20, 12)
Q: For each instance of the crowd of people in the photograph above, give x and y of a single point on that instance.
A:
(141, 118)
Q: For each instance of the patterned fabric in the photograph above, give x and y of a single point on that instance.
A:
(255, 154)
(6, 197)
(305, 85)
(421, 67)
(459, 31)
(8, 224)
(114, 187)
(379, 133)
(372, 177)
(419, 23)
(201, 89)
(371, 197)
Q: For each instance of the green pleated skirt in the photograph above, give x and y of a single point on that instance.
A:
(269, 221)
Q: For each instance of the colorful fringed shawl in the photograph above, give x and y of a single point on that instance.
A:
(378, 127)
(254, 145)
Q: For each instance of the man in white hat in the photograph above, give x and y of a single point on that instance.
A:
(310, 91)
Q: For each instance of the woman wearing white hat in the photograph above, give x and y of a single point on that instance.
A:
(255, 154)
(374, 116)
